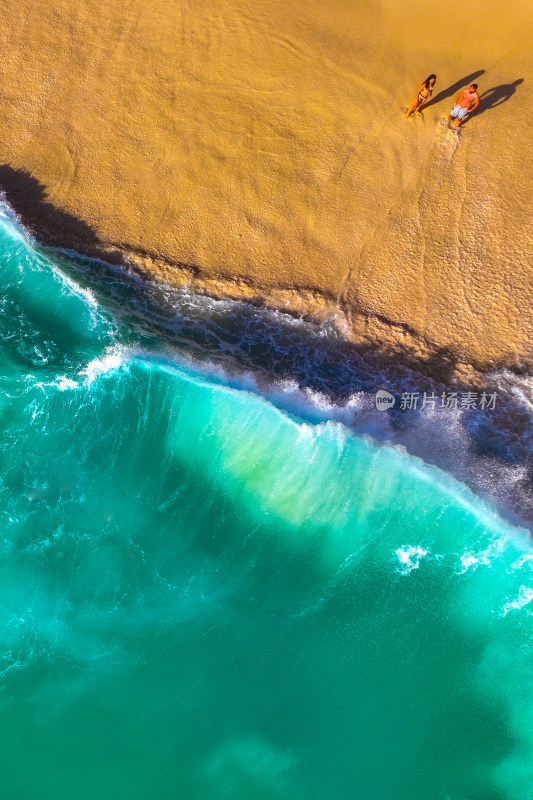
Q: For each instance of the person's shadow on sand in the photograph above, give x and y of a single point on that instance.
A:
(494, 97)
(454, 89)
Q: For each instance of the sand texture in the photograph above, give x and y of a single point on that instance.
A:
(259, 150)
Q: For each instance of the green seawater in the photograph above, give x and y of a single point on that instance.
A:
(203, 597)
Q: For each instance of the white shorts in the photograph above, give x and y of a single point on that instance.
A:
(459, 112)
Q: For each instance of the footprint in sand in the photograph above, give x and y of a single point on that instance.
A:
(414, 115)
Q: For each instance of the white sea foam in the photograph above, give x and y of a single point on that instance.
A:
(471, 560)
(410, 558)
(10, 219)
(71, 286)
(525, 596)
(525, 560)
(519, 386)
(63, 383)
(111, 361)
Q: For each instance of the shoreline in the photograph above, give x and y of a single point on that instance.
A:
(306, 368)
(390, 342)
(498, 479)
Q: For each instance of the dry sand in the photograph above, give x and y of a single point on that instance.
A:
(259, 150)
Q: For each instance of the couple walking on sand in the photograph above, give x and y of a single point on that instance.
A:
(466, 101)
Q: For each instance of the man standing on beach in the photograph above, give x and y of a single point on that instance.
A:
(465, 103)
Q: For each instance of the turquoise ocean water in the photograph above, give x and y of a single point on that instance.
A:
(206, 597)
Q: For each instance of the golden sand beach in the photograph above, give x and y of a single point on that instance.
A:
(259, 150)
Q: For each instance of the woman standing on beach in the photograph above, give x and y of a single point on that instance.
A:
(425, 90)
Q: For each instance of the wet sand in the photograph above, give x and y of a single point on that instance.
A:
(260, 151)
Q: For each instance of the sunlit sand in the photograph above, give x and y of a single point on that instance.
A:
(260, 151)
